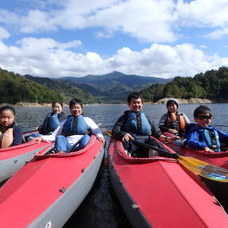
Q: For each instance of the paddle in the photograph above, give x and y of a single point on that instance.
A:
(195, 165)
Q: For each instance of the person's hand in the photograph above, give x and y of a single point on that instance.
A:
(101, 139)
(209, 150)
(39, 139)
(173, 138)
(173, 131)
(127, 137)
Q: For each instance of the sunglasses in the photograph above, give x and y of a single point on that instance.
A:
(208, 117)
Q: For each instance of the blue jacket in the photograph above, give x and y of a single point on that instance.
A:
(194, 138)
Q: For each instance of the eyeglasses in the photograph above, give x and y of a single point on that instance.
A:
(208, 117)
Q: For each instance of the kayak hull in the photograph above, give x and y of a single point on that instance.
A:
(54, 186)
(160, 193)
(13, 158)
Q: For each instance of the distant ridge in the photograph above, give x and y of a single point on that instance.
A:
(112, 87)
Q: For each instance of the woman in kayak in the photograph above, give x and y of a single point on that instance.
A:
(134, 126)
(51, 122)
(73, 133)
(173, 121)
(201, 135)
(10, 133)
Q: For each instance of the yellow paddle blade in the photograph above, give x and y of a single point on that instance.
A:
(204, 169)
(108, 132)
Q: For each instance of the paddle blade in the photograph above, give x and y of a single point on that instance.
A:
(204, 169)
(108, 132)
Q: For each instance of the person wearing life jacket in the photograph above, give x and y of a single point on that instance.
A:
(10, 133)
(53, 119)
(51, 122)
(134, 125)
(73, 132)
(201, 135)
(173, 121)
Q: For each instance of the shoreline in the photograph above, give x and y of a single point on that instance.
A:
(161, 101)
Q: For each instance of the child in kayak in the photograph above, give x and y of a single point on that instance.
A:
(51, 122)
(202, 135)
(10, 133)
(73, 133)
(173, 121)
(134, 126)
(53, 119)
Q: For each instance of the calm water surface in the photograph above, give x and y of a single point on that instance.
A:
(101, 208)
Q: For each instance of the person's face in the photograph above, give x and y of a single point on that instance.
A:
(76, 110)
(135, 105)
(7, 118)
(57, 108)
(172, 107)
(204, 119)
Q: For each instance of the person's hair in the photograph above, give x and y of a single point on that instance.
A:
(7, 107)
(202, 109)
(134, 95)
(57, 102)
(75, 101)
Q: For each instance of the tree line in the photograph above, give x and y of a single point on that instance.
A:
(212, 84)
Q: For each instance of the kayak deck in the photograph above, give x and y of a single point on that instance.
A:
(162, 194)
(47, 191)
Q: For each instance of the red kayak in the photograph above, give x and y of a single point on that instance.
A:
(13, 158)
(158, 192)
(47, 190)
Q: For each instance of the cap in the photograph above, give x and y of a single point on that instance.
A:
(171, 101)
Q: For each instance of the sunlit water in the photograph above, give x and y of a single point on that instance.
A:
(101, 208)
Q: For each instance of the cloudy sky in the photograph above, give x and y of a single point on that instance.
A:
(160, 38)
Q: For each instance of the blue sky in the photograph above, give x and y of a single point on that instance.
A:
(159, 38)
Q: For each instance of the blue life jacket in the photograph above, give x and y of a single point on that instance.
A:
(137, 123)
(75, 125)
(211, 138)
(50, 123)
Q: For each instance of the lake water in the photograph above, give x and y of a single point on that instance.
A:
(101, 208)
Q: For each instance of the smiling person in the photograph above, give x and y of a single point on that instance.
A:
(10, 133)
(51, 122)
(73, 133)
(201, 135)
(173, 121)
(133, 126)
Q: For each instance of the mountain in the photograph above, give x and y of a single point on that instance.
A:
(112, 87)
(64, 89)
(15, 88)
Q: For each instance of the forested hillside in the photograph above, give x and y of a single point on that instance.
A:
(67, 90)
(15, 88)
(212, 84)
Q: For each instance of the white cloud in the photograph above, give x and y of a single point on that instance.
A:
(4, 34)
(49, 58)
(209, 13)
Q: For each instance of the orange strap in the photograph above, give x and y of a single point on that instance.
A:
(182, 122)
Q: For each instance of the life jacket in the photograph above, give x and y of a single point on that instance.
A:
(176, 121)
(137, 123)
(6, 138)
(75, 125)
(211, 138)
(50, 123)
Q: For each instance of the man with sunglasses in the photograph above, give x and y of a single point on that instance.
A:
(201, 135)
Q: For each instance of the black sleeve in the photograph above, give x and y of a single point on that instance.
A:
(164, 128)
(155, 130)
(17, 136)
(117, 133)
